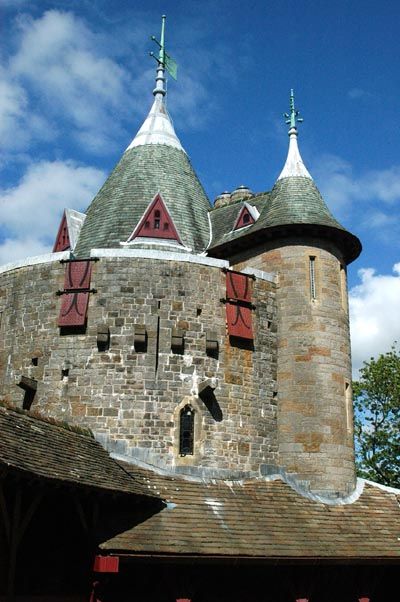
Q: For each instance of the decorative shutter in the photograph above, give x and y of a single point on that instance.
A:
(76, 293)
(238, 305)
(238, 286)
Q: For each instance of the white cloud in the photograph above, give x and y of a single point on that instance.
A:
(61, 60)
(13, 249)
(369, 200)
(13, 112)
(374, 314)
(31, 211)
(336, 182)
(341, 186)
(67, 82)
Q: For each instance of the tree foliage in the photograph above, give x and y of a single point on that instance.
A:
(376, 397)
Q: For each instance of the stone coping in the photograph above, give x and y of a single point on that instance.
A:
(137, 254)
(159, 254)
(37, 259)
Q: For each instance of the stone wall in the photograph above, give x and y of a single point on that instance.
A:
(130, 397)
(315, 421)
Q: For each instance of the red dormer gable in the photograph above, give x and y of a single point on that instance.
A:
(244, 219)
(62, 242)
(156, 223)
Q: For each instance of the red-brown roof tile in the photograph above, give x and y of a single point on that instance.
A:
(259, 518)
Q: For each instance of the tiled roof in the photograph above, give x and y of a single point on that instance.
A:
(48, 451)
(294, 202)
(142, 172)
(223, 219)
(263, 519)
(297, 200)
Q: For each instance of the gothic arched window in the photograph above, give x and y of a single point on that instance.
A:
(186, 431)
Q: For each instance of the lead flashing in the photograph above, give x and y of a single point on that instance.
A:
(162, 255)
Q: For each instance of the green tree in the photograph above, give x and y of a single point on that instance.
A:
(376, 397)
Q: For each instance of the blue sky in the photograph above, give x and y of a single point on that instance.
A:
(76, 82)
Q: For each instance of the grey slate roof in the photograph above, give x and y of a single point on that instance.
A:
(223, 219)
(141, 173)
(294, 202)
(297, 200)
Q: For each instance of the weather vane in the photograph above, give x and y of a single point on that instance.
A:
(164, 59)
(293, 118)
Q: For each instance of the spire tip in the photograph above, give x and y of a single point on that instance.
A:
(293, 117)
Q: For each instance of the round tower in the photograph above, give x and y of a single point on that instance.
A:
(310, 250)
(125, 329)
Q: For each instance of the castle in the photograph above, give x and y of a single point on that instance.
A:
(207, 349)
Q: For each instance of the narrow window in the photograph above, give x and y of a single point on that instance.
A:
(349, 413)
(166, 226)
(147, 224)
(313, 290)
(186, 432)
(246, 218)
(343, 287)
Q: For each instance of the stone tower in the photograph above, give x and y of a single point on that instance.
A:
(309, 251)
(207, 342)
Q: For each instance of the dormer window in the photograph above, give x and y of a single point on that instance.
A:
(62, 242)
(156, 222)
(247, 216)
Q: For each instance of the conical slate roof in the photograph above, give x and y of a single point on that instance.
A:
(297, 200)
(154, 163)
(141, 173)
(294, 206)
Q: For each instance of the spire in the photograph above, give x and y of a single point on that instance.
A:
(294, 165)
(157, 127)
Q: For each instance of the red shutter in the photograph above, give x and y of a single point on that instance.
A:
(238, 305)
(74, 304)
(239, 321)
(238, 286)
